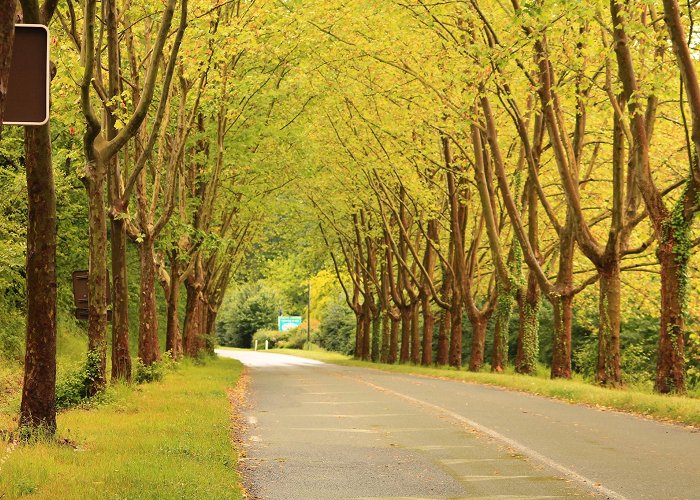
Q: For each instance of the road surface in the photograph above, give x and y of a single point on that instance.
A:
(320, 431)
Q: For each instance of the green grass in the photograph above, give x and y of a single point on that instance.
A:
(164, 440)
(680, 409)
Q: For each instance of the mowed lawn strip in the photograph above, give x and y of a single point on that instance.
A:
(679, 409)
(169, 439)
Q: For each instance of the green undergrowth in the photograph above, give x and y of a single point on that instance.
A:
(168, 439)
(680, 409)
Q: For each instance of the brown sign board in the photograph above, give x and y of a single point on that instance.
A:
(27, 100)
(80, 295)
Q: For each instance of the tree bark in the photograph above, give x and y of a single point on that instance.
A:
(670, 367)
(528, 332)
(376, 337)
(608, 370)
(149, 349)
(455, 356)
(121, 357)
(476, 357)
(394, 340)
(97, 280)
(428, 327)
(38, 407)
(173, 337)
(415, 333)
(443, 344)
(193, 312)
(386, 339)
(406, 316)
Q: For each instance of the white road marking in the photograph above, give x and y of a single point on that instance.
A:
(588, 483)
(438, 447)
(326, 429)
(456, 461)
(338, 402)
(490, 478)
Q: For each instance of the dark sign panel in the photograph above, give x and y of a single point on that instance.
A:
(80, 295)
(27, 100)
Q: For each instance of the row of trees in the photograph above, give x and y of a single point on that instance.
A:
(502, 154)
(166, 96)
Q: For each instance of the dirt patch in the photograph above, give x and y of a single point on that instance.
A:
(239, 403)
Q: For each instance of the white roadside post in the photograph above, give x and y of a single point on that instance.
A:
(256, 345)
(267, 345)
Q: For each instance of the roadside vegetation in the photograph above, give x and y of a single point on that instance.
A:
(169, 439)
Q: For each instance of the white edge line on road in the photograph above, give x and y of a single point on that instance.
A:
(510, 442)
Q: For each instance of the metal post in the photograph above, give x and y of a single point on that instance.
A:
(308, 320)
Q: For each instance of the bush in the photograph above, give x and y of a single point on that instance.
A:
(155, 372)
(271, 336)
(73, 387)
(295, 339)
(252, 308)
(337, 329)
(637, 365)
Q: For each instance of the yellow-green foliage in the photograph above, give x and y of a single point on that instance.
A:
(163, 440)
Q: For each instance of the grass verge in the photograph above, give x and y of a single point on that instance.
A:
(670, 408)
(164, 440)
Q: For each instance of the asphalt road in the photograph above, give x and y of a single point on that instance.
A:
(320, 431)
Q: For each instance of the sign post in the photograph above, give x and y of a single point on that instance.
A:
(285, 323)
(27, 100)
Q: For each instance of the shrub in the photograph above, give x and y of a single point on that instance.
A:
(250, 309)
(72, 389)
(337, 329)
(295, 339)
(155, 372)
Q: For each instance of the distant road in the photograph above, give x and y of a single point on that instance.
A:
(320, 431)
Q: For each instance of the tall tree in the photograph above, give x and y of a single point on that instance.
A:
(100, 150)
(38, 407)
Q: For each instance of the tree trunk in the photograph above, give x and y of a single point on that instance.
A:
(121, 358)
(528, 332)
(428, 326)
(359, 332)
(499, 355)
(561, 354)
(149, 349)
(456, 336)
(476, 357)
(670, 365)
(415, 333)
(173, 338)
(193, 315)
(97, 281)
(393, 340)
(404, 356)
(376, 337)
(386, 339)
(443, 344)
(608, 372)
(366, 331)
(38, 407)
(367, 339)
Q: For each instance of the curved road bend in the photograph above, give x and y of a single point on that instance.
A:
(320, 431)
